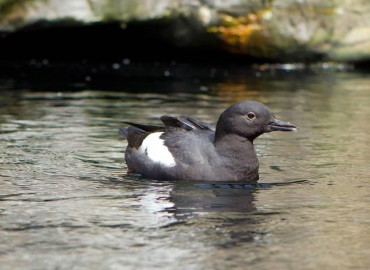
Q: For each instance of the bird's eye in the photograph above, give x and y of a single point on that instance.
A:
(251, 115)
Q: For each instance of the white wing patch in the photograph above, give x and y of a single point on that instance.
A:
(154, 148)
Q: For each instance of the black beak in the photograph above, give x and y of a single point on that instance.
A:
(278, 125)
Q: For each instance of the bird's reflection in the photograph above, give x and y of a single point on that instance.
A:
(214, 214)
(186, 199)
(222, 213)
(191, 199)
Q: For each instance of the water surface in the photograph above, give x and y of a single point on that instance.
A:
(65, 202)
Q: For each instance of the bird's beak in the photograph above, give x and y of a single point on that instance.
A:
(278, 125)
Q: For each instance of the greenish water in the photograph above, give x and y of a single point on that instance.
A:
(65, 202)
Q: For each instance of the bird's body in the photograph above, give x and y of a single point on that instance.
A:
(187, 149)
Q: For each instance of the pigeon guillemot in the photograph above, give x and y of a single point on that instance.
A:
(187, 149)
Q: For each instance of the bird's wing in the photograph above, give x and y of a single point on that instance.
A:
(145, 128)
(136, 133)
(185, 122)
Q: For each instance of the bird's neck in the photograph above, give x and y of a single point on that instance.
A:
(239, 154)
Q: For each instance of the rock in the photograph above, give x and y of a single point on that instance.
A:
(282, 30)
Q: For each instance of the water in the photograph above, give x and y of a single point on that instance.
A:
(65, 202)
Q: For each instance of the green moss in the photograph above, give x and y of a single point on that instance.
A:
(12, 12)
(114, 10)
(6, 6)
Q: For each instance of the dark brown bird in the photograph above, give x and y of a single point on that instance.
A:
(187, 149)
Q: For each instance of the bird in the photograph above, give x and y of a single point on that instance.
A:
(184, 148)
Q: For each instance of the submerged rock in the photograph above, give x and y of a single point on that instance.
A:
(283, 30)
